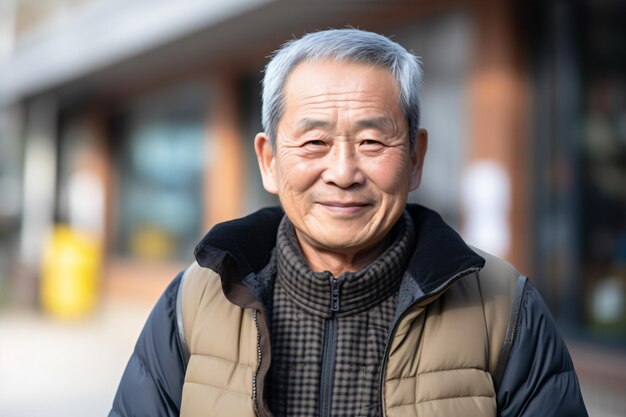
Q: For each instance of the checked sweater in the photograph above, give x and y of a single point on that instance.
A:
(328, 333)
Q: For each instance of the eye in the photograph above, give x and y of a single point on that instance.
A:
(314, 143)
(372, 144)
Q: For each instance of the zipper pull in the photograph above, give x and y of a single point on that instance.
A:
(335, 289)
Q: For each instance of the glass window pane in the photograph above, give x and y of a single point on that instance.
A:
(159, 183)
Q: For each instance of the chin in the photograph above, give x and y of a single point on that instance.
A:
(340, 243)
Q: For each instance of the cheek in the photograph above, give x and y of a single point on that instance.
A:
(390, 176)
(298, 174)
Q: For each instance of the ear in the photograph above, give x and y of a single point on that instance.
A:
(417, 158)
(265, 158)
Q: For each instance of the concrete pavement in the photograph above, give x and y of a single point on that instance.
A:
(52, 368)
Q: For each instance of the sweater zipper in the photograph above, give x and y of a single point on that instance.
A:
(383, 367)
(329, 352)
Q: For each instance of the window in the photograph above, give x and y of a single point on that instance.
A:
(159, 165)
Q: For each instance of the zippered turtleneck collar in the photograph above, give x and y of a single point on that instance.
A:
(359, 291)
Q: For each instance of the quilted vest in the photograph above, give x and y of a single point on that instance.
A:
(442, 356)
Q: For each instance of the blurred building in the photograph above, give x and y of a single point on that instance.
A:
(134, 121)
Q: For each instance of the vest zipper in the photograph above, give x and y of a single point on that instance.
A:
(329, 352)
(260, 408)
(259, 357)
(383, 367)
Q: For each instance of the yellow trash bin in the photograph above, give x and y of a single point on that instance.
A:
(70, 273)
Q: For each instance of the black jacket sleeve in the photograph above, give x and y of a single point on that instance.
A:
(153, 380)
(539, 378)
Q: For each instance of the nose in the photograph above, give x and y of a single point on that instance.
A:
(342, 167)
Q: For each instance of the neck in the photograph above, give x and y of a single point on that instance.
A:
(338, 262)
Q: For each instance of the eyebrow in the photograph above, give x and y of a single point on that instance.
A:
(307, 124)
(380, 123)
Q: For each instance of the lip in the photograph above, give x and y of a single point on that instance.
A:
(349, 207)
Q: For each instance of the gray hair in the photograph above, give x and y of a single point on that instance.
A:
(352, 45)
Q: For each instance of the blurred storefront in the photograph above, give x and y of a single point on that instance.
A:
(579, 185)
(580, 153)
(133, 122)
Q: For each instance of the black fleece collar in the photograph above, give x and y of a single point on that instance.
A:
(240, 251)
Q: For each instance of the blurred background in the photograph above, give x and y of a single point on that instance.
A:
(126, 132)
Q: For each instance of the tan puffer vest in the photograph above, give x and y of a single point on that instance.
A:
(440, 362)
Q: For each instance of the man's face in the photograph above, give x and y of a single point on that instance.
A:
(342, 164)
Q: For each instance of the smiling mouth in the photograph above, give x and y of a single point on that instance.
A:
(344, 207)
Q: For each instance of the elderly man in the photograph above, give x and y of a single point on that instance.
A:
(349, 302)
